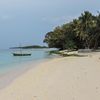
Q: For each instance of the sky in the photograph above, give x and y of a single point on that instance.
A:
(26, 22)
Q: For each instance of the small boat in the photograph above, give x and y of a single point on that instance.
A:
(21, 54)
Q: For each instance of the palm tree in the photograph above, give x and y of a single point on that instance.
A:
(95, 37)
(86, 23)
(55, 38)
(83, 32)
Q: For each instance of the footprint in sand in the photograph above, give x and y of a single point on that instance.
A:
(85, 72)
(73, 98)
(78, 77)
(35, 97)
(97, 89)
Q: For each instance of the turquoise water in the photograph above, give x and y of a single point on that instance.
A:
(8, 61)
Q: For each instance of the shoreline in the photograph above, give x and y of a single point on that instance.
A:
(72, 78)
(7, 78)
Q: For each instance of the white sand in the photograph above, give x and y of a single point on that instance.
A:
(72, 78)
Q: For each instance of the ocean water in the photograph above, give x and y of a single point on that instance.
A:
(8, 61)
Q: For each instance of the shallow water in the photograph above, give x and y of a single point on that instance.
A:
(8, 61)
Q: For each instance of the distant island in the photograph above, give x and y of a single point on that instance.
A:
(29, 47)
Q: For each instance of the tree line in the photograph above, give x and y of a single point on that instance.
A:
(80, 33)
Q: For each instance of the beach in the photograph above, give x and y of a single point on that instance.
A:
(65, 78)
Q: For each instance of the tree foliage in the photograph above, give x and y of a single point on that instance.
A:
(83, 32)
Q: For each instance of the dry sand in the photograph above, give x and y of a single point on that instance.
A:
(72, 78)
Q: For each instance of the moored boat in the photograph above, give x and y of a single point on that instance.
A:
(21, 54)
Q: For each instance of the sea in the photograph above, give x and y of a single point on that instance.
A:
(9, 62)
(13, 66)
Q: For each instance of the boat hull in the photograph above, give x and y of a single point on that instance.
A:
(16, 54)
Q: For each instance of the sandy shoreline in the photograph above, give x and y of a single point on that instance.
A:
(69, 78)
(18, 70)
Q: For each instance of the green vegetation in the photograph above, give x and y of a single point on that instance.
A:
(81, 33)
(67, 53)
(54, 52)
